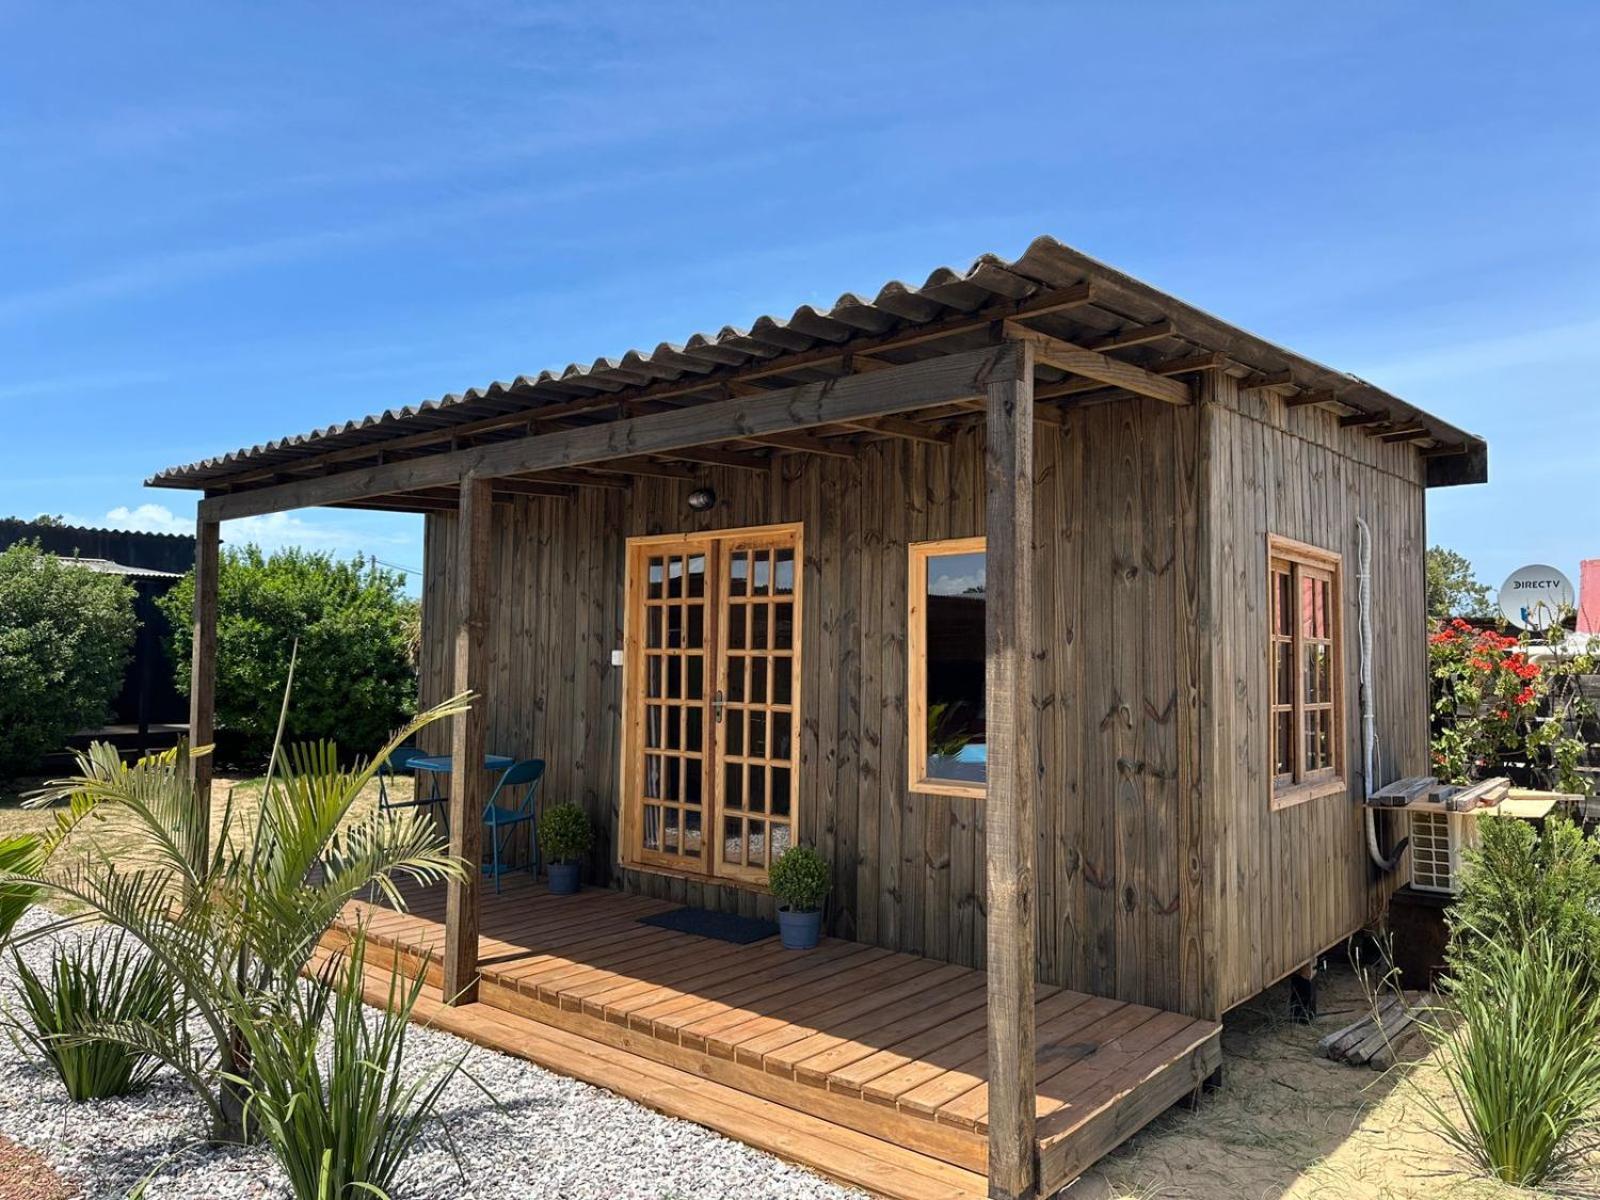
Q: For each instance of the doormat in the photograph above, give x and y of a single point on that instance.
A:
(725, 927)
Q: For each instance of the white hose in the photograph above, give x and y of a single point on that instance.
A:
(1369, 716)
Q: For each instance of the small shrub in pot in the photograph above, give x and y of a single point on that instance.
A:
(565, 836)
(799, 879)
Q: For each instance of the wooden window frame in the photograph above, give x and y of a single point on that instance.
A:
(631, 851)
(1296, 559)
(918, 554)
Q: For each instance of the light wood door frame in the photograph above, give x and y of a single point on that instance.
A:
(718, 547)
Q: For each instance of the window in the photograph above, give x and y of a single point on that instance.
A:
(945, 656)
(1307, 717)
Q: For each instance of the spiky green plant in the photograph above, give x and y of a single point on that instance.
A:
(1519, 1045)
(232, 919)
(20, 853)
(90, 984)
(340, 1124)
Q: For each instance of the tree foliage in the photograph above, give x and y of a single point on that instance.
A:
(352, 622)
(1453, 587)
(65, 637)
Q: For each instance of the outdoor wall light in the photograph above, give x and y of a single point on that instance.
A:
(701, 499)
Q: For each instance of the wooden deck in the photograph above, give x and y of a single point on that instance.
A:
(886, 1049)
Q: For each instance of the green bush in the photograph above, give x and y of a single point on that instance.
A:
(65, 637)
(339, 1111)
(355, 680)
(565, 833)
(799, 879)
(1522, 883)
(101, 983)
(1519, 1044)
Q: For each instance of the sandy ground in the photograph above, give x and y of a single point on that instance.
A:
(25, 1175)
(1289, 1124)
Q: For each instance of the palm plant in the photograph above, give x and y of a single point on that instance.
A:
(21, 854)
(232, 919)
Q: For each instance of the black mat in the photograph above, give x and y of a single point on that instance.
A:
(725, 927)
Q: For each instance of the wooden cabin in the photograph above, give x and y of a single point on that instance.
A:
(1028, 596)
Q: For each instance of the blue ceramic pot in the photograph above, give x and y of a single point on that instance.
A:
(799, 930)
(565, 878)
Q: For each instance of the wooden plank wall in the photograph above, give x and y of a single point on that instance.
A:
(1284, 886)
(1116, 687)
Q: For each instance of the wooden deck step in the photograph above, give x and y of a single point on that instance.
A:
(851, 1157)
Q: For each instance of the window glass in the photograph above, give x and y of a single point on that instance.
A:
(954, 668)
(1304, 589)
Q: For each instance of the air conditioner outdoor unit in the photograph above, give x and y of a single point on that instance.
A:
(1437, 840)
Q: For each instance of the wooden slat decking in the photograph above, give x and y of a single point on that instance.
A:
(888, 1045)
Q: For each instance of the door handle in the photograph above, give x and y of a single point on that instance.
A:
(716, 706)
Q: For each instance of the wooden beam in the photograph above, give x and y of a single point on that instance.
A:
(805, 443)
(901, 428)
(1091, 364)
(468, 737)
(715, 457)
(203, 676)
(923, 384)
(1266, 379)
(1134, 335)
(1307, 399)
(1362, 418)
(1012, 780)
(1400, 433)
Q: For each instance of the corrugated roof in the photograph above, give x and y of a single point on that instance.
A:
(990, 286)
(104, 566)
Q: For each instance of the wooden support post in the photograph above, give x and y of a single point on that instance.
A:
(467, 739)
(203, 675)
(1012, 781)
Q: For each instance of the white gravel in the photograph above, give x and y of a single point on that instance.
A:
(550, 1137)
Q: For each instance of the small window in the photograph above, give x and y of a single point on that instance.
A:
(1304, 667)
(945, 654)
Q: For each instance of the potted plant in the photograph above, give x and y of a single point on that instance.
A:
(799, 879)
(565, 836)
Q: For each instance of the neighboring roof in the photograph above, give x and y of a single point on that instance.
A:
(19, 525)
(104, 566)
(990, 287)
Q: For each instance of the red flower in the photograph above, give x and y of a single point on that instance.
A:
(1524, 697)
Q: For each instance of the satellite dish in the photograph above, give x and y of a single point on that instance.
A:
(1534, 597)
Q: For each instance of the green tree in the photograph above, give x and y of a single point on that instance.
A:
(1453, 588)
(65, 637)
(356, 676)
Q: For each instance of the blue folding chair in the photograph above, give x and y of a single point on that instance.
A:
(504, 813)
(389, 769)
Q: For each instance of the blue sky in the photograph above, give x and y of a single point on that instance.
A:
(224, 223)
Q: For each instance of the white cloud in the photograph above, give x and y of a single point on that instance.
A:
(146, 518)
(271, 532)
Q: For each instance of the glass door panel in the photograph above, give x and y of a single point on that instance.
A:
(755, 705)
(670, 745)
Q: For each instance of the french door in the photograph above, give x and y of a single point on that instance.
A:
(712, 700)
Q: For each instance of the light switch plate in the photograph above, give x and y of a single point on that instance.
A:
(616, 658)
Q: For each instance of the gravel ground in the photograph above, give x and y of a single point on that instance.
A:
(550, 1137)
